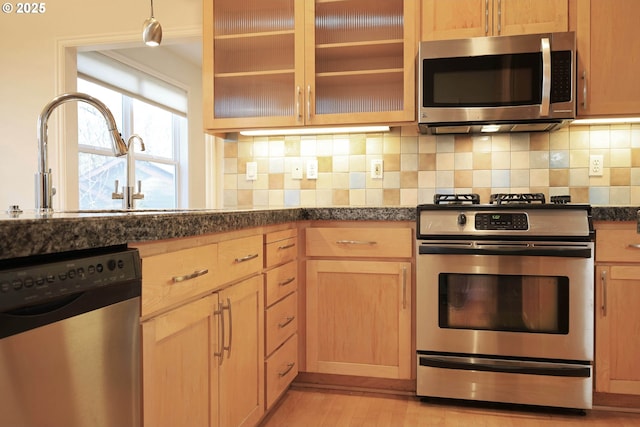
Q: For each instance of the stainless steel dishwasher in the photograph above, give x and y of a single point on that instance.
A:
(70, 339)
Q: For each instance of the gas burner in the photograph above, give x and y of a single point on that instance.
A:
(456, 199)
(503, 198)
(561, 200)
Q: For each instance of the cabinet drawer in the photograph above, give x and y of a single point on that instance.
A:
(169, 278)
(281, 251)
(281, 369)
(281, 322)
(280, 282)
(617, 245)
(239, 258)
(360, 242)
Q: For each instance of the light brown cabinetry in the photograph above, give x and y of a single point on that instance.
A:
(358, 301)
(452, 19)
(608, 64)
(278, 63)
(203, 332)
(281, 312)
(617, 286)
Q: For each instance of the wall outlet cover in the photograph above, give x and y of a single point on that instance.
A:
(596, 165)
(312, 169)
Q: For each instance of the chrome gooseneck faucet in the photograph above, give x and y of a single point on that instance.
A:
(129, 195)
(44, 184)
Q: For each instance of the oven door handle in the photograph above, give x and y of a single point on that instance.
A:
(563, 252)
(511, 367)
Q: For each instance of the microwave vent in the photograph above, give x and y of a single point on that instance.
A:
(533, 127)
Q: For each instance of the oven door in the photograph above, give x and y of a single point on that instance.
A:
(519, 300)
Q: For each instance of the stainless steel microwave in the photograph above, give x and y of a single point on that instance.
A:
(523, 83)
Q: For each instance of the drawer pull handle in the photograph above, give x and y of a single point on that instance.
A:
(246, 258)
(286, 246)
(634, 245)
(286, 282)
(290, 366)
(197, 273)
(286, 322)
(356, 242)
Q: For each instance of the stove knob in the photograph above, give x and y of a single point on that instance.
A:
(462, 219)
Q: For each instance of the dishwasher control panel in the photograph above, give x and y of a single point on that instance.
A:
(40, 282)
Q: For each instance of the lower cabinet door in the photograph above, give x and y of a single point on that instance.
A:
(241, 373)
(178, 366)
(359, 318)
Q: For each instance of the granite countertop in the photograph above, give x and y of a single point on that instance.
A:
(29, 234)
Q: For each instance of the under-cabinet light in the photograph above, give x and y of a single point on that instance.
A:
(314, 131)
(607, 121)
(490, 128)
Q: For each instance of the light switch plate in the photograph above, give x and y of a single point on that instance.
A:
(252, 171)
(377, 169)
(296, 169)
(312, 169)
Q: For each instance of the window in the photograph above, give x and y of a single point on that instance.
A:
(162, 130)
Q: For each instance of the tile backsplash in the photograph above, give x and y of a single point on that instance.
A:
(415, 167)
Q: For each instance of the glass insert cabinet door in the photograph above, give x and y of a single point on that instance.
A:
(269, 63)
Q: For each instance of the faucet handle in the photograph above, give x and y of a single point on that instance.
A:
(138, 194)
(115, 195)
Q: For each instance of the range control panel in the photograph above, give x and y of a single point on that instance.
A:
(45, 281)
(501, 221)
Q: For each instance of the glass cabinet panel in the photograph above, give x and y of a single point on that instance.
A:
(254, 64)
(359, 56)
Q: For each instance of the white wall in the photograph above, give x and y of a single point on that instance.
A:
(35, 52)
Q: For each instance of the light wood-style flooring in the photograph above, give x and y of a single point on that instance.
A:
(320, 408)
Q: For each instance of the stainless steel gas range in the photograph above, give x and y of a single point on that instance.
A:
(504, 300)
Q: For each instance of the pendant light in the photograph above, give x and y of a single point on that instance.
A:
(151, 30)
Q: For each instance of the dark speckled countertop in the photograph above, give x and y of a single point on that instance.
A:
(31, 235)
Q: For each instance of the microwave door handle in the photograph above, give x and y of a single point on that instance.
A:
(545, 48)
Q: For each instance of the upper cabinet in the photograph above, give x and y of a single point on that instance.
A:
(453, 19)
(275, 63)
(608, 63)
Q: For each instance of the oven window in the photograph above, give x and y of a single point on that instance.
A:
(535, 304)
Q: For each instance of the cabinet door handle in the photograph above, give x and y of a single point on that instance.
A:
(220, 352)
(356, 242)
(246, 258)
(404, 288)
(286, 322)
(290, 366)
(308, 102)
(584, 89)
(286, 246)
(603, 281)
(499, 16)
(486, 17)
(634, 245)
(228, 308)
(298, 95)
(287, 281)
(197, 273)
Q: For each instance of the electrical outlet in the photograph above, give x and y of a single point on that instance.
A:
(377, 169)
(596, 165)
(296, 169)
(252, 171)
(312, 169)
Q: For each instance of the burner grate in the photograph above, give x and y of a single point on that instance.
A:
(561, 200)
(504, 198)
(456, 199)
